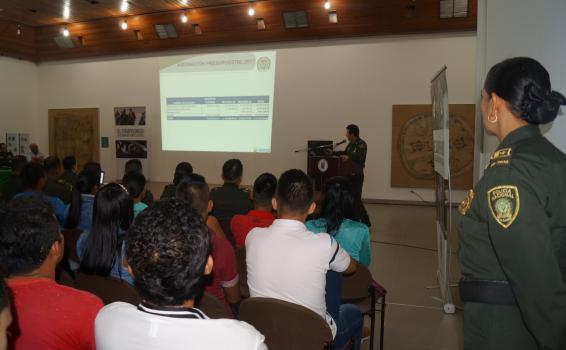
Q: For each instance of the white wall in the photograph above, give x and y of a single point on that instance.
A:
(18, 97)
(320, 88)
(509, 28)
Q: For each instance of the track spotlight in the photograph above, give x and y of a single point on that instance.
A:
(124, 24)
(251, 10)
(66, 31)
(184, 17)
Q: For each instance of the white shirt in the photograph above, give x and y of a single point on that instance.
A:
(122, 326)
(288, 262)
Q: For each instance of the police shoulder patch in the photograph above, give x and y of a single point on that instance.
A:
(504, 204)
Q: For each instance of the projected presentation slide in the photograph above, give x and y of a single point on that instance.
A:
(217, 102)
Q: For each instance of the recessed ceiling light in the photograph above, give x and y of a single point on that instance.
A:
(66, 31)
(251, 10)
(124, 24)
(327, 4)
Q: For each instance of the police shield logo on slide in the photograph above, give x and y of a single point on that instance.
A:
(504, 204)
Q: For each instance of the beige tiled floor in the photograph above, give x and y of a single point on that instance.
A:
(404, 261)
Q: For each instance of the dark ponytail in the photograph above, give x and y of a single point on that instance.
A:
(86, 182)
(525, 84)
(338, 204)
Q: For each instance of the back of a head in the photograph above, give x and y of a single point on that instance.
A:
(112, 214)
(181, 170)
(29, 229)
(69, 162)
(232, 170)
(167, 249)
(87, 182)
(353, 129)
(32, 173)
(525, 85)
(93, 166)
(195, 191)
(133, 165)
(338, 203)
(134, 182)
(295, 192)
(264, 189)
(18, 163)
(51, 164)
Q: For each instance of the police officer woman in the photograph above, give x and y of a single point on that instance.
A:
(513, 224)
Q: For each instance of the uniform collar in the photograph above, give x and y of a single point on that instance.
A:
(230, 184)
(522, 133)
(172, 311)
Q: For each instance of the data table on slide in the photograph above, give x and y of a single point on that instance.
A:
(218, 108)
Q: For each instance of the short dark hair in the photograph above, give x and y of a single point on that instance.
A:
(232, 170)
(167, 248)
(195, 191)
(134, 182)
(133, 165)
(29, 229)
(353, 129)
(51, 163)
(69, 162)
(31, 174)
(93, 166)
(181, 170)
(295, 192)
(525, 85)
(18, 163)
(264, 188)
(4, 295)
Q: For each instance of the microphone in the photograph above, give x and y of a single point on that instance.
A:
(340, 143)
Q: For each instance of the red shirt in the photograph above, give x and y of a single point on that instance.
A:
(241, 225)
(224, 270)
(51, 316)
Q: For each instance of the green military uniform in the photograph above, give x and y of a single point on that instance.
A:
(513, 248)
(356, 152)
(58, 188)
(229, 200)
(69, 177)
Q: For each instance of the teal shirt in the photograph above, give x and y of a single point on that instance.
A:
(352, 236)
(139, 207)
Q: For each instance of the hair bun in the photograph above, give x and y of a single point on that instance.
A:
(558, 97)
(541, 107)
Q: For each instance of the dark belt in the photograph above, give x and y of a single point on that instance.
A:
(486, 291)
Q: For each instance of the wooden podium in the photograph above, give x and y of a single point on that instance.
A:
(322, 168)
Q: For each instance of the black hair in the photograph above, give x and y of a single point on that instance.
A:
(338, 203)
(167, 248)
(353, 129)
(195, 191)
(31, 175)
(264, 188)
(525, 85)
(18, 163)
(295, 192)
(181, 170)
(86, 182)
(69, 162)
(29, 229)
(232, 170)
(4, 295)
(134, 182)
(51, 163)
(93, 166)
(133, 165)
(113, 212)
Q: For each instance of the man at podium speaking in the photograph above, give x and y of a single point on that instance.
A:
(356, 152)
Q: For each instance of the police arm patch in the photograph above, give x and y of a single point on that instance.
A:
(504, 204)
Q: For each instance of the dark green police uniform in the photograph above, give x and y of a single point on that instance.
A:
(513, 248)
(59, 188)
(229, 200)
(357, 152)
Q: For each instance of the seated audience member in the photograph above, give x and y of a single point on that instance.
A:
(56, 187)
(13, 184)
(135, 166)
(5, 315)
(79, 215)
(183, 169)
(5, 156)
(33, 180)
(288, 262)
(94, 167)
(34, 154)
(261, 215)
(101, 249)
(69, 170)
(135, 184)
(167, 251)
(47, 315)
(340, 221)
(223, 283)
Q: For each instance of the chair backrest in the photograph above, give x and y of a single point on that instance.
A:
(71, 238)
(106, 288)
(243, 272)
(356, 286)
(211, 306)
(286, 325)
